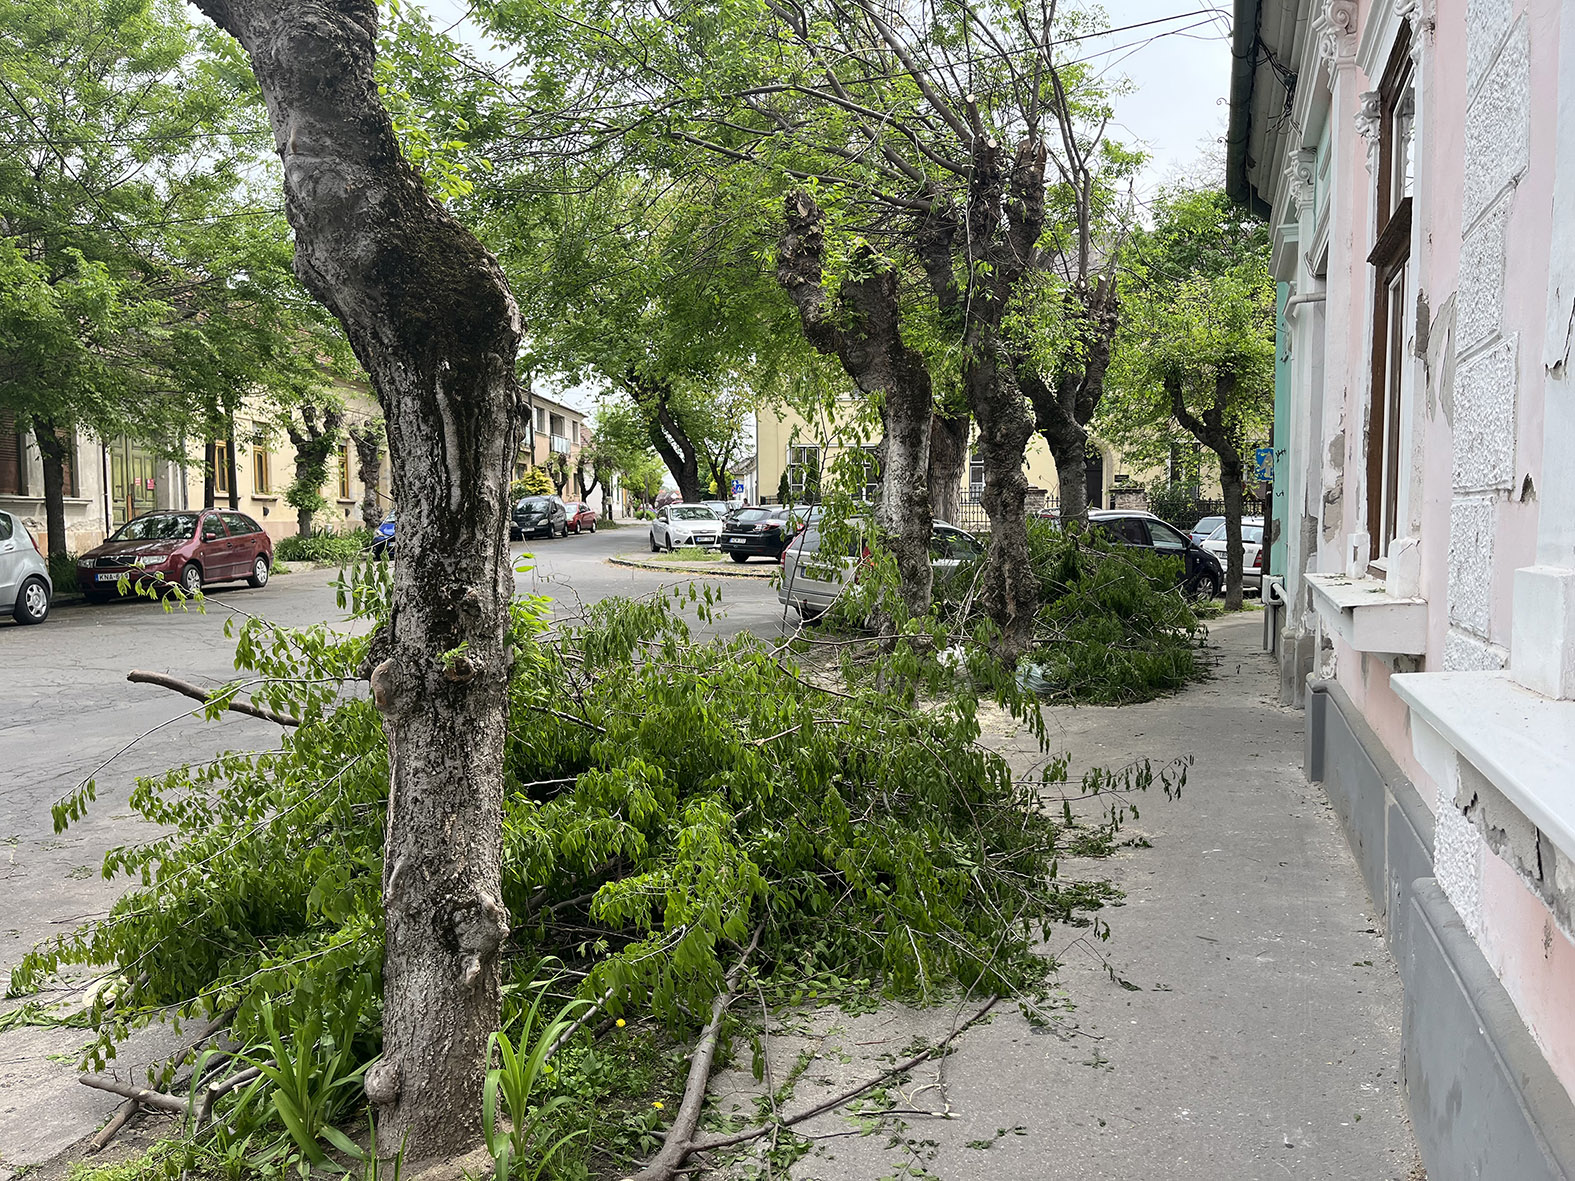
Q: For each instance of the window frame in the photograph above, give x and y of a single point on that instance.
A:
(798, 466)
(344, 471)
(1390, 259)
(221, 467)
(262, 471)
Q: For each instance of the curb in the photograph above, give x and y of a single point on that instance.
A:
(739, 570)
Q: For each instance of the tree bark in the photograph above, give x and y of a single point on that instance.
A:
(948, 463)
(865, 335)
(52, 450)
(430, 316)
(210, 460)
(1210, 429)
(667, 434)
(235, 485)
(368, 440)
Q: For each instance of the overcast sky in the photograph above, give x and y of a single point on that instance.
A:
(1178, 69)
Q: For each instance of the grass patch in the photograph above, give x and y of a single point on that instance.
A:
(690, 553)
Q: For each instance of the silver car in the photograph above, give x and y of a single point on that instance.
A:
(25, 586)
(811, 586)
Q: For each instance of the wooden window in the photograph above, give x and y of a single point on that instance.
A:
(1391, 261)
(344, 472)
(13, 457)
(803, 470)
(262, 480)
(221, 467)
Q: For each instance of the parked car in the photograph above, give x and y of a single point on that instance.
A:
(719, 507)
(761, 532)
(1201, 572)
(540, 516)
(582, 517)
(811, 586)
(191, 549)
(1205, 526)
(1251, 551)
(684, 524)
(383, 537)
(25, 585)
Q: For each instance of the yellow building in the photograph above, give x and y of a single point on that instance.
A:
(786, 442)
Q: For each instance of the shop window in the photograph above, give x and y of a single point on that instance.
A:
(1391, 262)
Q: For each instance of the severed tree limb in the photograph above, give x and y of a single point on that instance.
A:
(119, 1120)
(198, 693)
(668, 1161)
(141, 1095)
(213, 1092)
(711, 1143)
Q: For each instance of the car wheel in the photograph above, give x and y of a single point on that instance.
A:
(655, 549)
(1202, 586)
(259, 576)
(593, 526)
(191, 579)
(739, 558)
(32, 602)
(515, 534)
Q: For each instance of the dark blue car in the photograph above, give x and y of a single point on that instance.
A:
(383, 537)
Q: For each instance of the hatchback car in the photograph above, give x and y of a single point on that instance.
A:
(582, 517)
(1251, 551)
(1201, 572)
(684, 524)
(810, 586)
(760, 532)
(191, 549)
(540, 516)
(25, 585)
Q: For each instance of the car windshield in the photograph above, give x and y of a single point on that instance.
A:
(158, 527)
(691, 512)
(388, 520)
(752, 514)
(1208, 525)
(535, 504)
(1252, 534)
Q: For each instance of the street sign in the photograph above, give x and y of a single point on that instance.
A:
(738, 487)
(1263, 465)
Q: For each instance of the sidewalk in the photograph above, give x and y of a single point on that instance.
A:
(1262, 1040)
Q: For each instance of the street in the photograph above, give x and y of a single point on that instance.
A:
(66, 709)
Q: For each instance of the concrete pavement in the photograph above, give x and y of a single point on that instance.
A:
(1256, 1035)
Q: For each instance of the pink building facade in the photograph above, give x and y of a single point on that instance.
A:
(1416, 159)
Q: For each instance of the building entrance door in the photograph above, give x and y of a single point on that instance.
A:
(133, 475)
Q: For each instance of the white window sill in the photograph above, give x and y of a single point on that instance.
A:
(1521, 742)
(1367, 617)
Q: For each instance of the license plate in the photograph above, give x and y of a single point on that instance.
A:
(108, 578)
(732, 541)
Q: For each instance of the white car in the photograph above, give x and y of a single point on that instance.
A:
(25, 585)
(1251, 551)
(684, 524)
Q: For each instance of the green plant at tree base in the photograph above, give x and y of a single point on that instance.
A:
(515, 1078)
(663, 799)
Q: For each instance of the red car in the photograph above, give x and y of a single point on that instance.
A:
(582, 517)
(191, 549)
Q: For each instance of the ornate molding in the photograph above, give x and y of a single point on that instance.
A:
(1335, 28)
(1301, 177)
(1368, 116)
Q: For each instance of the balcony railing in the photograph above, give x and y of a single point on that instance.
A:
(559, 444)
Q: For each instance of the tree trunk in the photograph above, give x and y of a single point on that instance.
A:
(669, 438)
(368, 439)
(429, 315)
(235, 484)
(864, 334)
(52, 450)
(1011, 589)
(948, 464)
(210, 460)
(1231, 479)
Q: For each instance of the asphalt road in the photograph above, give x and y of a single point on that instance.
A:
(67, 712)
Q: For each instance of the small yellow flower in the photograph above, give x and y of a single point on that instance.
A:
(657, 1104)
(620, 1023)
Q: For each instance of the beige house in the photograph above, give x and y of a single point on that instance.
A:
(786, 442)
(107, 482)
(557, 429)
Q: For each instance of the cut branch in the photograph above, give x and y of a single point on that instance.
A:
(206, 696)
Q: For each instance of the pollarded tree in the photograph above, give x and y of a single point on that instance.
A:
(313, 428)
(367, 438)
(430, 316)
(1197, 346)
